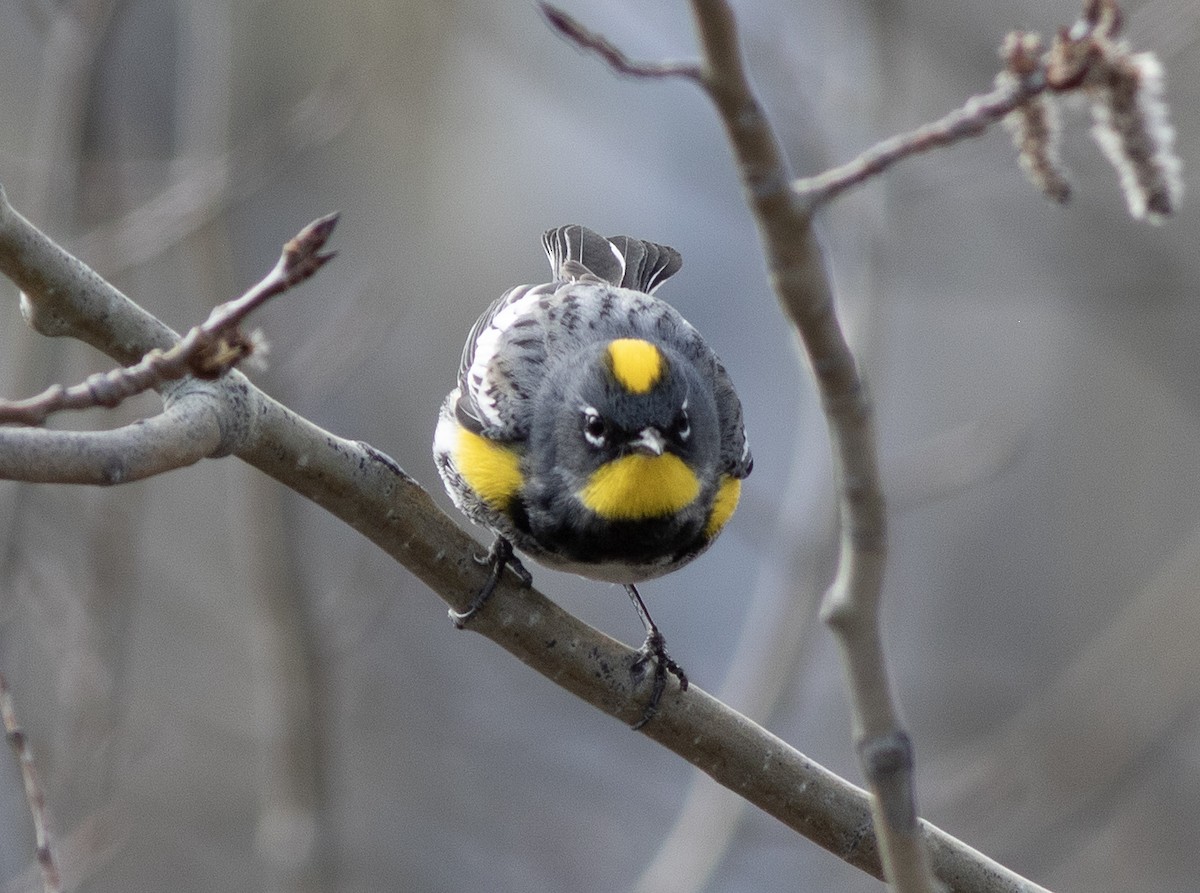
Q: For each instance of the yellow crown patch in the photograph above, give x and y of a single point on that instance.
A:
(637, 487)
(636, 364)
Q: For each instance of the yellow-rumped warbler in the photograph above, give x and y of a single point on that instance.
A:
(593, 428)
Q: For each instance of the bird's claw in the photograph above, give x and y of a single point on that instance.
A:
(499, 556)
(654, 649)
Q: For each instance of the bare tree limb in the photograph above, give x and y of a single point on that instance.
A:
(769, 653)
(34, 794)
(79, 853)
(1132, 128)
(373, 495)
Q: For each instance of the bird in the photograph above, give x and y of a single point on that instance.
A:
(593, 429)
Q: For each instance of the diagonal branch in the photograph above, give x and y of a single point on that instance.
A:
(970, 120)
(373, 495)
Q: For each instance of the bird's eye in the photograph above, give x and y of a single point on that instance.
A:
(595, 429)
(682, 427)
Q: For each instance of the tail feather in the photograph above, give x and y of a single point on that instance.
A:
(647, 264)
(621, 260)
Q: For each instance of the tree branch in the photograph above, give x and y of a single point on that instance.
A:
(1132, 128)
(971, 120)
(851, 606)
(373, 495)
(597, 43)
(34, 794)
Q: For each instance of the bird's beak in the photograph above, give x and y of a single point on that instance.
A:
(649, 442)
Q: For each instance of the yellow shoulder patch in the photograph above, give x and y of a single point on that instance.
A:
(636, 487)
(491, 469)
(729, 491)
(636, 364)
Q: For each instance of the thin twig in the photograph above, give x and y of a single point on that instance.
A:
(71, 51)
(209, 350)
(34, 794)
(597, 43)
(971, 120)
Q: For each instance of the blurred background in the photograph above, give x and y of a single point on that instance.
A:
(227, 689)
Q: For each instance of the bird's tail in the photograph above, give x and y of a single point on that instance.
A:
(576, 252)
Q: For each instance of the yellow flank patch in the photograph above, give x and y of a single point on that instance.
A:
(490, 469)
(636, 364)
(637, 487)
(729, 491)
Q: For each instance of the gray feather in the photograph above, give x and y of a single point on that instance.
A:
(620, 260)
